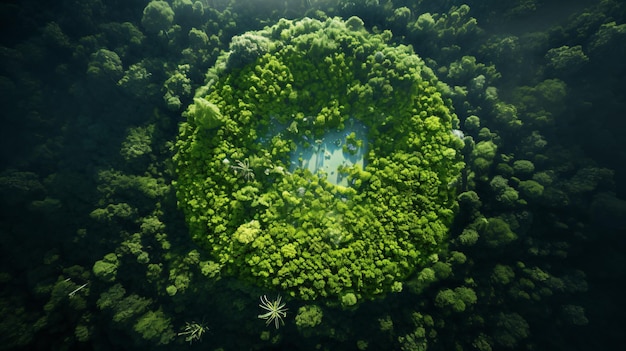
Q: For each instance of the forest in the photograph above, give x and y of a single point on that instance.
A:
(151, 198)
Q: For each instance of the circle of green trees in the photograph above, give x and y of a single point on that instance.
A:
(286, 229)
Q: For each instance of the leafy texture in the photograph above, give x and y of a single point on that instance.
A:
(296, 231)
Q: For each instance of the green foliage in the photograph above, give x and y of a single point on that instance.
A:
(129, 307)
(587, 179)
(210, 269)
(470, 201)
(424, 279)
(205, 114)
(523, 169)
(348, 300)
(157, 16)
(110, 298)
(177, 87)
(483, 155)
(506, 52)
(182, 271)
(119, 186)
(112, 212)
(198, 39)
(362, 345)
(486, 150)
(539, 105)
(246, 48)
(138, 142)
(309, 316)
(400, 19)
(522, 8)
(531, 189)
(264, 224)
(457, 300)
(482, 343)
(247, 232)
(137, 82)
(355, 23)
(17, 187)
(544, 178)
(82, 333)
(16, 331)
(606, 40)
(504, 193)
(151, 225)
(566, 59)
(386, 324)
(105, 65)
(352, 145)
(463, 71)
(472, 123)
(468, 237)
(442, 270)
(126, 36)
(417, 339)
(53, 35)
(106, 269)
(506, 116)
(496, 232)
(574, 315)
(511, 329)
(502, 274)
(457, 258)
(155, 326)
(445, 30)
(183, 9)
(282, 227)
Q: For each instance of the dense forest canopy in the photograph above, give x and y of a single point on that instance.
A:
(251, 203)
(149, 200)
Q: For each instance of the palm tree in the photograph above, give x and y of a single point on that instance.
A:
(243, 169)
(276, 311)
(193, 331)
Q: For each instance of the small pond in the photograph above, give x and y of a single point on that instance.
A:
(336, 148)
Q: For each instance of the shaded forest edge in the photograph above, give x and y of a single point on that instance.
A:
(95, 251)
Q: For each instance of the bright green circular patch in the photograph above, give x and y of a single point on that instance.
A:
(274, 223)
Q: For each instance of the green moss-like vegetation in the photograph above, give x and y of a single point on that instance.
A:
(96, 251)
(296, 231)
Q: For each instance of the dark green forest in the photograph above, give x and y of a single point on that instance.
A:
(147, 203)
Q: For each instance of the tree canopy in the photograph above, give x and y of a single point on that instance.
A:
(296, 231)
